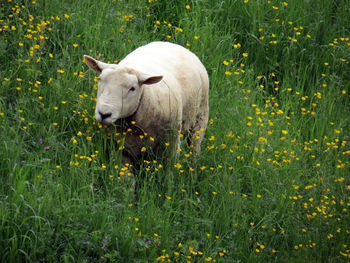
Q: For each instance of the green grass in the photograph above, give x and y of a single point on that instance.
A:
(272, 182)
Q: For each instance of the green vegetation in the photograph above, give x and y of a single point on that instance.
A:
(272, 182)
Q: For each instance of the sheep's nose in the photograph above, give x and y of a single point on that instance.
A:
(105, 115)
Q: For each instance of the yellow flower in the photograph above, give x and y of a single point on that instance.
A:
(143, 149)
(236, 45)
(263, 139)
(178, 166)
(188, 7)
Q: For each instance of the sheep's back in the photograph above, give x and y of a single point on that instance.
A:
(182, 71)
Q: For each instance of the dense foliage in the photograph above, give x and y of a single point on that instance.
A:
(272, 182)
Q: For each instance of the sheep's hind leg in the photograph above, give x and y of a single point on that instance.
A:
(198, 131)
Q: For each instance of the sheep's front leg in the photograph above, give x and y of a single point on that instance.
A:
(177, 140)
(177, 143)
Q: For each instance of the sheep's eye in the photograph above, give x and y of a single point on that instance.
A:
(132, 89)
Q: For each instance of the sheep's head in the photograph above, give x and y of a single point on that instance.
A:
(119, 90)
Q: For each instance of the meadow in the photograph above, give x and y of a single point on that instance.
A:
(272, 182)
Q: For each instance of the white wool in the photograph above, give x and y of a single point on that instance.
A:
(160, 87)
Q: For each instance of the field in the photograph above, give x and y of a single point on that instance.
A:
(272, 182)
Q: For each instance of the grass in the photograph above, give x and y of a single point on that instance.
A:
(272, 182)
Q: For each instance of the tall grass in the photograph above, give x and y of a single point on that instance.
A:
(272, 182)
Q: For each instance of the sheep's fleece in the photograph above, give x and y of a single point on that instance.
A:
(156, 93)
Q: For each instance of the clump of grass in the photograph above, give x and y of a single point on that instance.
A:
(271, 183)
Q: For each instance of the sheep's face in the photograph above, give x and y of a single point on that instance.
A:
(118, 95)
(119, 90)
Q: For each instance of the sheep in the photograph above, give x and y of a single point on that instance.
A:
(154, 96)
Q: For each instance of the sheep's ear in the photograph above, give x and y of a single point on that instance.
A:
(94, 64)
(144, 79)
(151, 80)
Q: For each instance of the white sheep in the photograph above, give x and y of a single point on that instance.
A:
(156, 93)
